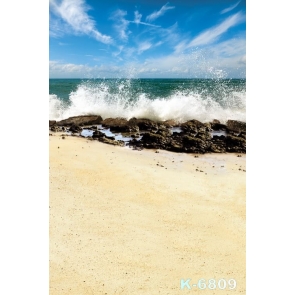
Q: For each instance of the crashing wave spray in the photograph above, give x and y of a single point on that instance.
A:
(118, 98)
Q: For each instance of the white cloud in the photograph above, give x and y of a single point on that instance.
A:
(230, 8)
(74, 14)
(121, 25)
(159, 43)
(144, 46)
(243, 59)
(137, 17)
(225, 59)
(137, 20)
(157, 14)
(68, 70)
(212, 34)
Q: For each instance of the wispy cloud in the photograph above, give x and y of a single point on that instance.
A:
(212, 34)
(137, 20)
(230, 8)
(144, 46)
(157, 14)
(121, 24)
(74, 14)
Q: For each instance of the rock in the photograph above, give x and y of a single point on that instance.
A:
(81, 120)
(144, 124)
(164, 131)
(119, 125)
(110, 141)
(193, 141)
(236, 126)
(108, 122)
(97, 134)
(176, 146)
(243, 134)
(218, 126)
(52, 123)
(235, 144)
(170, 123)
(75, 128)
(54, 128)
(156, 141)
(204, 133)
(191, 126)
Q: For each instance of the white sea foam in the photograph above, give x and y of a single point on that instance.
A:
(180, 105)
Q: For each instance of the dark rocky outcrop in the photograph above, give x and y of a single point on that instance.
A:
(75, 128)
(81, 120)
(97, 134)
(236, 126)
(170, 123)
(119, 125)
(191, 126)
(218, 126)
(144, 124)
(195, 137)
(52, 123)
(154, 141)
(235, 144)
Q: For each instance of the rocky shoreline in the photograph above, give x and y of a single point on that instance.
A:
(192, 136)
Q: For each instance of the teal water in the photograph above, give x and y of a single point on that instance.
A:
(157, 99)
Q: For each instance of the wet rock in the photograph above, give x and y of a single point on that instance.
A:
(157, 141)
(81, 120)
(111, 141)
(204, 133)
(235, 144)
(54, 128)
(218, 144)
(119, 125)
(144, 124)
(191, 126)
(236, 126)
(97, 134)
(52, 123)
(176, 146)
(243, 135)
(75, 128)
(218, 126)
(170, 123)
(164, 131)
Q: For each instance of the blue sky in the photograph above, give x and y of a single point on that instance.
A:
(147, 39)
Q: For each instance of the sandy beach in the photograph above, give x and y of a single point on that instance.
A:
(138, 222)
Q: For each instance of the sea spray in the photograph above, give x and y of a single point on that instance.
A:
(156, 99)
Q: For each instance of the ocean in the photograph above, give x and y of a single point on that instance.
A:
(156, 99)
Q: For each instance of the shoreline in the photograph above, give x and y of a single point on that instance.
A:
(137, 222)
(192, 136)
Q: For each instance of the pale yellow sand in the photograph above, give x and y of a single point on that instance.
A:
(120, 224)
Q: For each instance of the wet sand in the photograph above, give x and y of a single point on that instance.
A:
(137, 222)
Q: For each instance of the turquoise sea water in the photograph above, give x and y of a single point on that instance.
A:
(157, 99)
